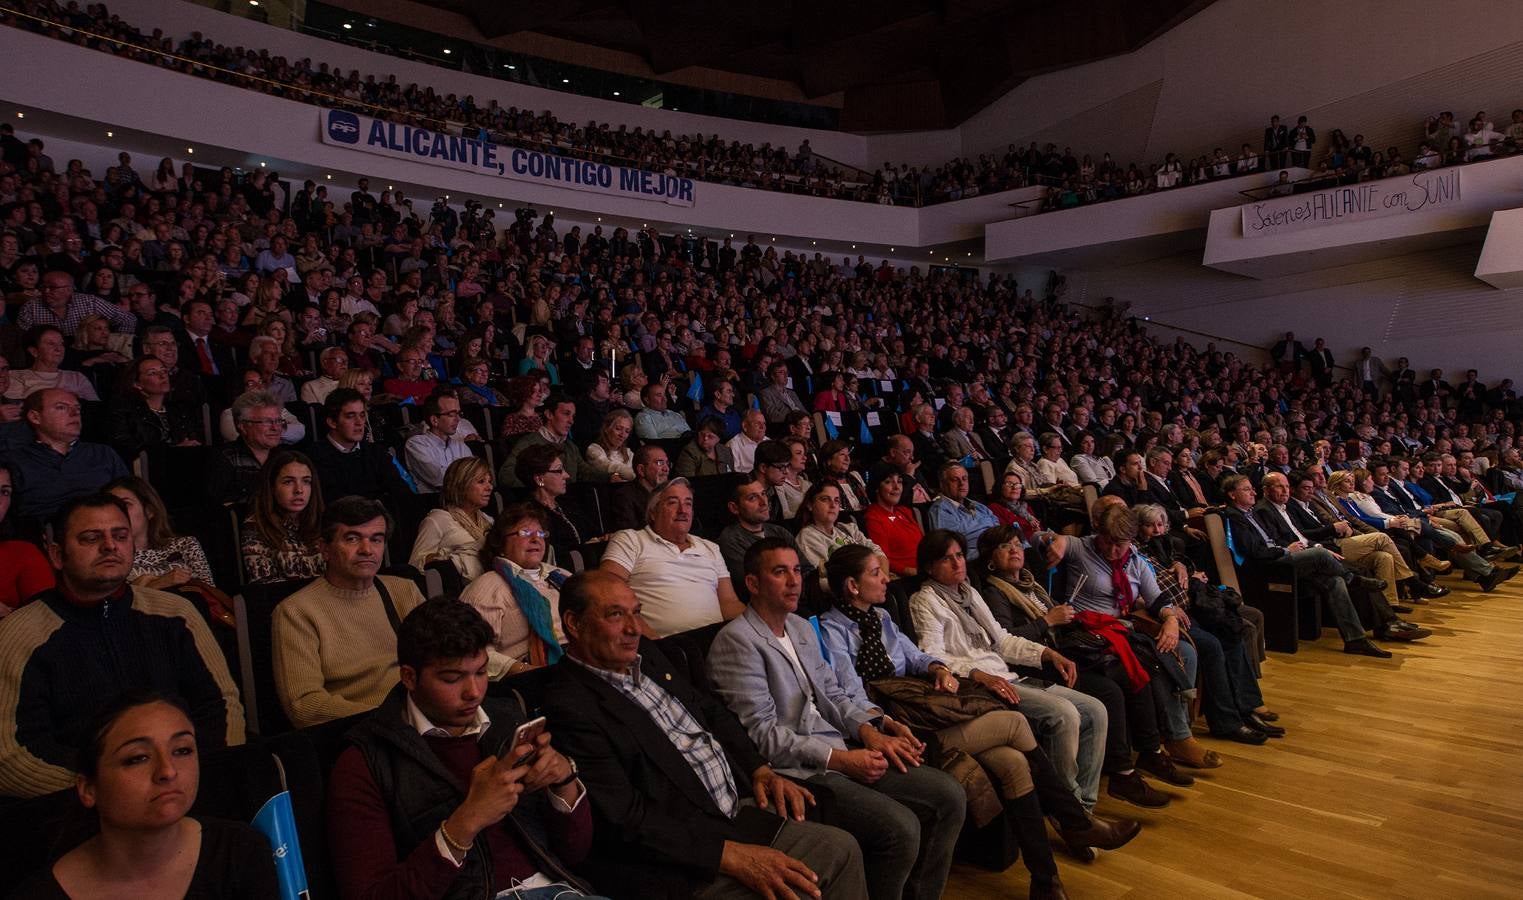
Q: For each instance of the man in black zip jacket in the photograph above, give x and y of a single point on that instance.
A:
(431, 802)
(73, 648)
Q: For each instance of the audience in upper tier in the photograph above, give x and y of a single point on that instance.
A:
(1070, 180)
(916, 439)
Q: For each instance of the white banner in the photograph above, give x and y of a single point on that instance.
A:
(1406, 194)
(347, 129)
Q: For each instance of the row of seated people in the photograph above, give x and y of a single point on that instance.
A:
(331, 661)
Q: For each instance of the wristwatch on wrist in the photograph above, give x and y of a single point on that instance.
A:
(569, 778)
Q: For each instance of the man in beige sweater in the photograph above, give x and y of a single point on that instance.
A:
(335, 644)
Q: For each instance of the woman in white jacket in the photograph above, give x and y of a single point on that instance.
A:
(955, 626)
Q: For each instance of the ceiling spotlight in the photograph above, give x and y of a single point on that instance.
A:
(509, 66)
(108, 134)
(253, 2)
(565, 81)
(21, 115)
(261, 164)
(348, 26)
(448, 50)
(330, 177)
(190, 149)
(616, 93)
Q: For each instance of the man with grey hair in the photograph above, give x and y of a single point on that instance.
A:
(264, 355)
(680, 578)
(235, 470)
(334, 362)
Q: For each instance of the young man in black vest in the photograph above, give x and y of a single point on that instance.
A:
(431, 803)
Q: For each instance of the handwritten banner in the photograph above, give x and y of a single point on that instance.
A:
(483, 157)
(1418, 192)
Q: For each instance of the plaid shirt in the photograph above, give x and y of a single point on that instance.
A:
(35, 312)
(697, 746)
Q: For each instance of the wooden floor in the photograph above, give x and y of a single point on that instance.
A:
(1399, 778)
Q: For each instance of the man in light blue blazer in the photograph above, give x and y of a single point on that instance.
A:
(768, 668)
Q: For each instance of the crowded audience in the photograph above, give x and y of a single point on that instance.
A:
(917, 507)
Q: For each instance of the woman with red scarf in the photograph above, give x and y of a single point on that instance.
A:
(1110, 578)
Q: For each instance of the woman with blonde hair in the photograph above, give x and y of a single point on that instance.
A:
(609, 457)
(266, 303)
(457, 530)
(537, 359)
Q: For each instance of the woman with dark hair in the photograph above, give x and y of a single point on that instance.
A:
(705, 454)
(518, 593)
(1009, 505)
(280, 534)
(543, 470)
(524, 395)
(955, 625)
(24, 571)
(45, 345)
(476, 384)
(139, 775)
(162, 559)
(835, 464)
(864, 645)
(143, 415)
(890, 525)
(821, 531)
(833, 397)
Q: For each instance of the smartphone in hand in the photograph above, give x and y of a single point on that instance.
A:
(527, 733)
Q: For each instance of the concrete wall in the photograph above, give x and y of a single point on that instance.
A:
(180, 19)
(1215, 79)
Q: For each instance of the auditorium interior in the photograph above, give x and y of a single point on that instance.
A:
(1152, 364)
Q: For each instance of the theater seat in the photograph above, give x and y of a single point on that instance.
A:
(254, 608)
(900, 590)
(1272, 594)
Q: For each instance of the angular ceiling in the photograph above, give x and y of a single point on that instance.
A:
(901, 64)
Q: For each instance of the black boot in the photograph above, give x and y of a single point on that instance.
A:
(1025, 817)
(1057, 801)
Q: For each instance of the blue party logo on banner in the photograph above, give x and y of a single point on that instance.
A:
(343, 127)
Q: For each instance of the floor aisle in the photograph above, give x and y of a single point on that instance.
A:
(1399, 778)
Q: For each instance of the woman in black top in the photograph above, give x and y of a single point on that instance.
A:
(139, 775)
(542, 469)
(144, 416)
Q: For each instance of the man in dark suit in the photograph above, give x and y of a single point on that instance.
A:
(626, 502)
(674, 780)
(1394, 500)
(1288, 353)
(1289, 522)
(1313, 566)
(1131, 481)
(1276, 143)
(1321, 363)
(346, 463)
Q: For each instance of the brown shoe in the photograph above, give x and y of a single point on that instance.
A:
(1436, 565)
(1050, 890)
(1105, 834)
(1134, 789)
(1189, 752)
(1160, 765)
